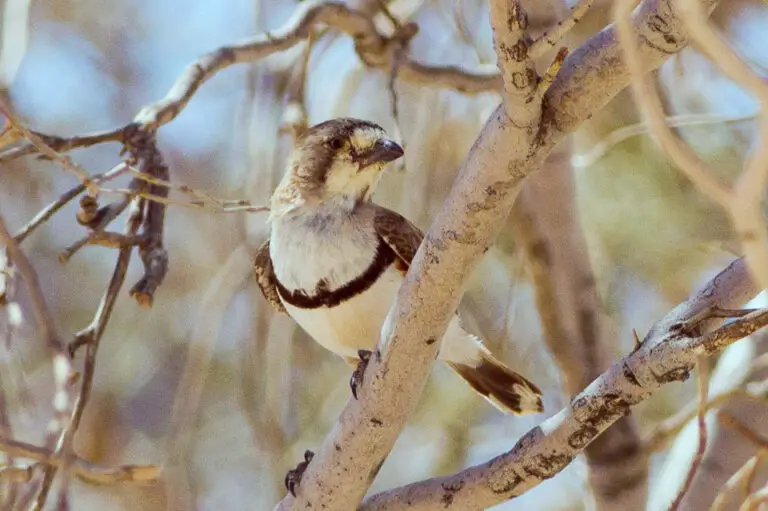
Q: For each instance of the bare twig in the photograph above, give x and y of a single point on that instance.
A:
(702, 379)
(659, 437)
(732, 422)
(601, 148)
(62, 367)
(295, 118)
(36, 140)
(86, 470)
(200, 198)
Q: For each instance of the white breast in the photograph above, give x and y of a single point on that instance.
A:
(337, 246)
(355, 324)
(325, 244)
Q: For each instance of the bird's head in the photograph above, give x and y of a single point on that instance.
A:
(340, 160)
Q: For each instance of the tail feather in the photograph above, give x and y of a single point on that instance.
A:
(500, 385)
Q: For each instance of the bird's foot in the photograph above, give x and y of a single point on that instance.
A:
(293, 477)
(357, 375)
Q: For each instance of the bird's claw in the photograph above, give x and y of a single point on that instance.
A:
(293, 476)
(357, 375)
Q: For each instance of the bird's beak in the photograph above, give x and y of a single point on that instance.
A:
(383, 151)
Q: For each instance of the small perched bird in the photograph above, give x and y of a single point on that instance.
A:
(335, 260)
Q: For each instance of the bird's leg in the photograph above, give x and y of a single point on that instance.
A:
(293, 476)
(357, 375)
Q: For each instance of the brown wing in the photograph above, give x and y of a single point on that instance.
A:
(265, 277)
(399, 233)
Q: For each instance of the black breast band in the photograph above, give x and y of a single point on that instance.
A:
(324, 297)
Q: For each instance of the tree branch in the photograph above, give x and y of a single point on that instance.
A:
(667, 354)
(86, 470)
(481, 197)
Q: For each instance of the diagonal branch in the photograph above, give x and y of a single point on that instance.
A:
(668, 354)
(481, 198)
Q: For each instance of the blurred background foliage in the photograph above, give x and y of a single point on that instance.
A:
(269, 391)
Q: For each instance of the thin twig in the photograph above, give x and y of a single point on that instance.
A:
(728, 420)
(702, 380)
(667, 430)
(647, 97)
(615, 137)
(46, 213)
(62, 367)
(87, 471)
(202, 199)
(36, 140)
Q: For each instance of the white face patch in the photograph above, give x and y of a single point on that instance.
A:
(345, 178)
(365, 137)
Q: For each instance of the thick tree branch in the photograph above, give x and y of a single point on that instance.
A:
(482, 196)
(667, 354)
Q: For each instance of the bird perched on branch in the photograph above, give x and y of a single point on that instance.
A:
(335, 260)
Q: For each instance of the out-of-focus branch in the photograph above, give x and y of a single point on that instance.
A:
(377, 50)
(741, 479)
(744, 201)
(203, 339)
(668, 353)
(87, 471)
(39, 143)
(702, 378)
(658, 439)
(62, 367)
(574, 324)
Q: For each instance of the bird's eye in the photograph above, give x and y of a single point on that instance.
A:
(335, 143)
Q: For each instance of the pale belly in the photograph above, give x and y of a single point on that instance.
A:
(355, 324)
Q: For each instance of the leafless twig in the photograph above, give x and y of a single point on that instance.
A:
(62, 367)
(86, 470)
(702, 379)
